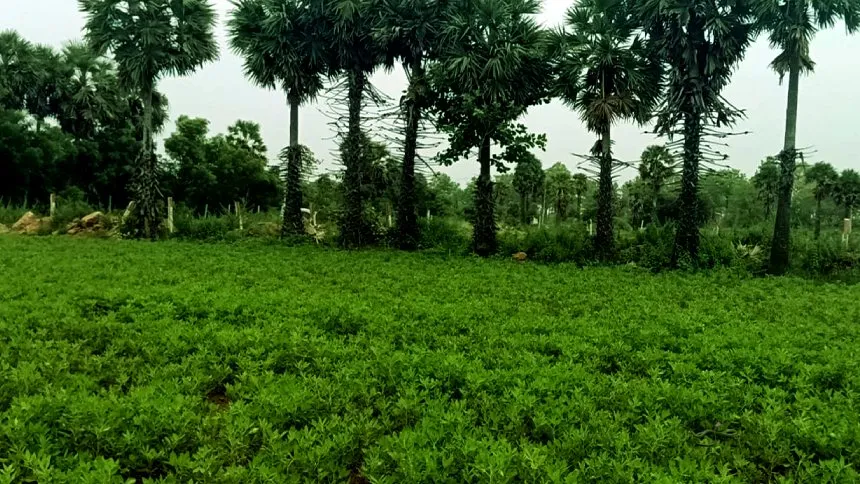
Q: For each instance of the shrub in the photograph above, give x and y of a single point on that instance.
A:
(444, 234)
(549, 243)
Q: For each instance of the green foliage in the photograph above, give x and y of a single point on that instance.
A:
(397, 367)
(528, 181)
(150, 39)
(766, 182)
(216, 172)
(492, 66)
(848, 191)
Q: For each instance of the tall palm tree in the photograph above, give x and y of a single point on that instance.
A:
(791, 24)
(826, 179)
(699, 42)
(493, 65)
(409, 31)
(655, 168)
(150, 39)
(605, 73)
(276, 39)
(352, 53)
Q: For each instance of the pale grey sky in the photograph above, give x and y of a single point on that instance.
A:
(829, 119)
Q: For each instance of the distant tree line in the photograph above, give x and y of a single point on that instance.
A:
(474, 67)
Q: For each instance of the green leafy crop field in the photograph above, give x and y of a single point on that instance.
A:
(181, 362)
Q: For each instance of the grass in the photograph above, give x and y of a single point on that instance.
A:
(171, 362)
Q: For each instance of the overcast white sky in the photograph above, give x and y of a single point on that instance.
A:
(829, 119)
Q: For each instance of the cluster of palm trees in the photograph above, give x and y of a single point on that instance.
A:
(474, 67)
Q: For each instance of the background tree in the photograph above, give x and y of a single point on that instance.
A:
(766, 181)
(580, 188)
(605, 73)
(528, 182)
(150, 39)
(91, 95)
(699, 42)
(217, 171)
(848, 191)
(656, 167)
(409, 30)
(825, 178)
(559, 187)
(492, 66)
(791, 24)
(16, 58)
(281, 49)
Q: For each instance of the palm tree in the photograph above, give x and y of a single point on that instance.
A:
(493, 66)
(580, 188)
(791, 24)
(150, 39)
(409, 30)
(42, 92)
(346, 26)
(559, 184)
(91, 94)
(826, 179)
(16, 56)
(606, 74)
(847, 191)
(655, 168)
(766, 181)
(699, 42)
(276, 39)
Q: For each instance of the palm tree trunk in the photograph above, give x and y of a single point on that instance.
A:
(292, 223)
(604, 240)
(354, 229)
(817, 218)
(687, 235)
(407, 217)
(779, 249)
(484, 235)
(146, 183)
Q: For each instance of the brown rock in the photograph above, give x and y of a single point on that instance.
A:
(93, 219)
(520, 257)
(29, 224)
(72, 231)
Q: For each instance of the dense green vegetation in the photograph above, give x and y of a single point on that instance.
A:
(258, 363)
(83, 121)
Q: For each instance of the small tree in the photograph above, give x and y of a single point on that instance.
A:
(766, 182)
(559, 185)
(848, 191)
(656, 167)
(150, 39)
(528, 182)
(826, 180)
(580, 188)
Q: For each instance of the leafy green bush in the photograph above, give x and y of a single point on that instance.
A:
(446, 234)
(9, 214)
(549, 243)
